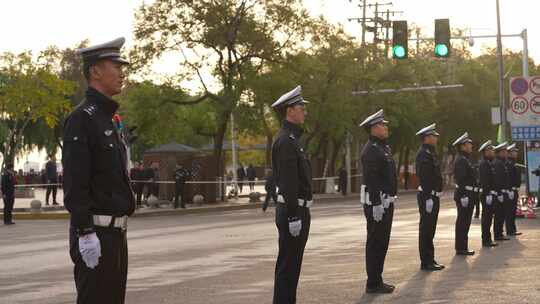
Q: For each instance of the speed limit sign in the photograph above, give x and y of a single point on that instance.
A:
(520, 105)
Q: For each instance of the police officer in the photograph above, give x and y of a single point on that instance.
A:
(502, 186)
(428, 171)
(292, 171)
(488, 195)
(513, 192)
(465, 193)
(97, 188)
(378, 195)
(180, 176)
(8, 193)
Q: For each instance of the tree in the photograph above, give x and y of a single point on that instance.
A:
(227, 38)
(30, 92)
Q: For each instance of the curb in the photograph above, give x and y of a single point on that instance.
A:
(178, 212)
(169, 212)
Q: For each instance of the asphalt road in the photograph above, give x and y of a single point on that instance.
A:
(229, 258)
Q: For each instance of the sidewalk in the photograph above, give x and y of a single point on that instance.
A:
(22, 206)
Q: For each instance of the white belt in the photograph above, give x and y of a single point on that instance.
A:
(493, 192)
(471, 188)
(106, 221)
(301, 202)
(364, 196)
(434, 193)
(515, 188)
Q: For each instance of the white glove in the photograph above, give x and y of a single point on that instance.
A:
(489, 200)
(90, 249)
(500, 198)
(429, 205)
(464, 201)
(378, 212)
(385, 202)
(511, 195)
(295, 226)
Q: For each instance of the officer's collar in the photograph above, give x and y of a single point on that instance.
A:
(466, 154)
(431, 148)
(377, 139)
(295, 129)
(501, 158)
(110, 106)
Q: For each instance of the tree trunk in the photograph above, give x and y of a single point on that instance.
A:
(406, 171)
(269, 141)
(218, 146)
(336, 147)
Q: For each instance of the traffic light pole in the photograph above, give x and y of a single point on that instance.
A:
(500, 64)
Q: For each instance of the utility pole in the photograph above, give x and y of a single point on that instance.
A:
(364, 22)
(502, 103)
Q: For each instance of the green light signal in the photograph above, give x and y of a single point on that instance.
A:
(441, 50)
(398, 51)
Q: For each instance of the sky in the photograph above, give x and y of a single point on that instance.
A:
(35, 24)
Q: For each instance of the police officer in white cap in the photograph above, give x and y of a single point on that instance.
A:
(514, 175)
(97, 190)
(502, 187)
(488, 195)
(428, 171)
(292, 172)
(465, 194)
(378, 195)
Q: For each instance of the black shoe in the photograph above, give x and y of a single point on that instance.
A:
(502, 238)
(476, 216)
(55, 203)
(384, 288)
(465, 252)
(432, 267)
(489, 244)
(516, 233)
(183, 206)
(440, 265)
(9, 223)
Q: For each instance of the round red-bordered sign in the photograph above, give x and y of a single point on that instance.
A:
(535, 104)
(534, 85)
(520, 105)
(519, 86)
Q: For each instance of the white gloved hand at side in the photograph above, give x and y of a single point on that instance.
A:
(489, 200)
(429, 205)
(511, 195)
(464, 201)
(378, 212)
(295, 226)
(90, 249)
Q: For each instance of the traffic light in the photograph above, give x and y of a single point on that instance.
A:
(442, 38)
(400, 40)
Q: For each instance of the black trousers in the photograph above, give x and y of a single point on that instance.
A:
(105, 284)
(510, 214)
(138, 189)
(251, 185)
(477, 206)
(179, 191)
(270, 195)
(291, 253)
(378, 238)
(426, 229)
(9, 201)
(488, 211)
(501, 213)
(463, 223)
(50, 188)
(343, 188)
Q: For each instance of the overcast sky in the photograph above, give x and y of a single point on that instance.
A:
(36, 24)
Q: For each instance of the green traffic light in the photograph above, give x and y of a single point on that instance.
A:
(398, 51)
(441, 50)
